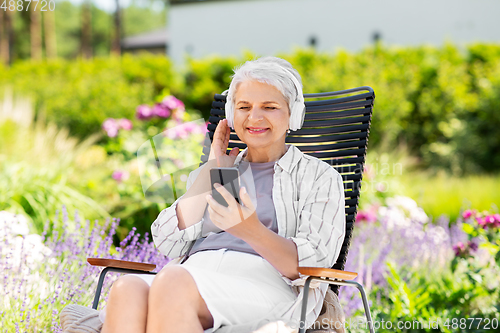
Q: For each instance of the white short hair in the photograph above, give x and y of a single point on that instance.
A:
(276, 72)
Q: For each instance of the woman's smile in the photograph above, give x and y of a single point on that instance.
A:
(257, 130)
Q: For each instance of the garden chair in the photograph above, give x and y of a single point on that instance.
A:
(335, 130)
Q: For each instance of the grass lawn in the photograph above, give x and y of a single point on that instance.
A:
(445, 194)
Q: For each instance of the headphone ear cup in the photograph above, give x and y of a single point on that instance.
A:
(229, 112)
(297, 117)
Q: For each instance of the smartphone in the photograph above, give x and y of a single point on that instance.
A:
(229, 178)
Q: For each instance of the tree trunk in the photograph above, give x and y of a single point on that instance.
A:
(36, 33)
(86, 30)
(4, 40)
(116, 40)
(50, 34)
(9, 35)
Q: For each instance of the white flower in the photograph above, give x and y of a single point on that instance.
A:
(13, 224)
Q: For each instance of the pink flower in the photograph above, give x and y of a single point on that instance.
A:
(369, 172)
(464, 250)
(111, 127)
(172, 103)
(205, 127)
(459, 248)
(161, 110)
(178, 132)
(144, 112)
(481, 221)
(125, 124)
(497, 220)
(381, 187)
(120, 175)
(490, 219)
(369, 216)
(467, 214)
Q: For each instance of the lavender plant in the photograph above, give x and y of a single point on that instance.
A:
(398, 234)
(414, 269)
(43, 274)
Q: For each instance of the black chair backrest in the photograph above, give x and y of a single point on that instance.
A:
(335, 130)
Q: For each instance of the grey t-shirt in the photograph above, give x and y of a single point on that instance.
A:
(263, 178)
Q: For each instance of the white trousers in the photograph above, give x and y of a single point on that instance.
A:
(238, 288)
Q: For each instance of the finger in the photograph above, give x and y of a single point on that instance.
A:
(219, 135)
(235, 151)
(225, 194)
(245, 199)
(228, 135)
(214, 216)
(214, 205)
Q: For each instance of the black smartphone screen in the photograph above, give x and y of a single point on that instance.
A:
(227, 177)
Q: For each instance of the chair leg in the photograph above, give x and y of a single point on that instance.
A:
(103, 274)
(99, 287)
(365, 304)
(302, 323)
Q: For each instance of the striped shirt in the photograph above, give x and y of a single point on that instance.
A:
(308, 196)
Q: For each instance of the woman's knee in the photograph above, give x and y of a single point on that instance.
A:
(129, 286)
(174, 280)
(174, 287)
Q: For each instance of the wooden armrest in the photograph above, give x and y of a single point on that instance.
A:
(327, 272)
(121, 264)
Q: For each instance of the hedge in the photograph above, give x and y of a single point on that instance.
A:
(442, 102)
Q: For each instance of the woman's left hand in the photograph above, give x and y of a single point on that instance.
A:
(236, 219)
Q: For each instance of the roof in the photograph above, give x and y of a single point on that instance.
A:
(151, 39)
(179, 2)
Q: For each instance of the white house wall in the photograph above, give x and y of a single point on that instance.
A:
(269, 26)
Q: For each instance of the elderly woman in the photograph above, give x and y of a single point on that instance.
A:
(241, 262)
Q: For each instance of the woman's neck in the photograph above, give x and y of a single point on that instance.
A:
(256, 155)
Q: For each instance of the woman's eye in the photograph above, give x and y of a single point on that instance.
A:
(271, 108)
(243, 108)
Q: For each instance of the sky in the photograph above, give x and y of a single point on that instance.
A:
(110, 5)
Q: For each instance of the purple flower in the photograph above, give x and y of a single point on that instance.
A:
(144, 112)
(125, 124)
(111, 127)
(160, 110)
(120, 175)
(473, 246)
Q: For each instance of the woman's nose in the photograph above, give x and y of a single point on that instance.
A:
(255, 113)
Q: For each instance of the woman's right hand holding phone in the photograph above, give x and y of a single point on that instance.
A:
(220, 143)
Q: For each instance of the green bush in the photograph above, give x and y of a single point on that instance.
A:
(81, 94)
(441, 102)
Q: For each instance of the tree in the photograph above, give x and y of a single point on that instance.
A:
(86, 49)
(36, 33)
(50, 34)
(115, 44)
(5, 36)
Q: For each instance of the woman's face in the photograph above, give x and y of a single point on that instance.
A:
(261, 115)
